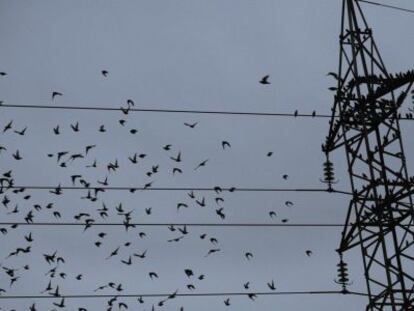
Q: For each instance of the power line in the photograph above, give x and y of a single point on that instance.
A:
(188, 224)
(387, 6)
(165, 224)
(114, 224)
(325, 292)
(270, 114)
(133, 189)
(205, 112)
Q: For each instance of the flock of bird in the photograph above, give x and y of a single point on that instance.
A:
(18, 204)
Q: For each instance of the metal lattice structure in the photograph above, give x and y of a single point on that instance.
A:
(365, 123)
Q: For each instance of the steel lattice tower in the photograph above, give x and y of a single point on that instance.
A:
(365, 122)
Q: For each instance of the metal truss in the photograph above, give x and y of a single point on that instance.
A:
(380, 218)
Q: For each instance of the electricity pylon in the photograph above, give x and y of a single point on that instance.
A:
(380, 219)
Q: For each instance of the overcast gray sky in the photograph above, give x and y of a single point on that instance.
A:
(183, 54)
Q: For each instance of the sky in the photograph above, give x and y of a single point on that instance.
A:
(184, 54)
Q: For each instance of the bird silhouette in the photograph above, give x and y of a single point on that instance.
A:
(21, 132)
(8, 126)
(202, 202)
(114, 253)
(153, 275)
(225, 144)
(265, 80)
(188, 272)
(142, 255)
(201, 164)
(127, 262)
(252, 296)
(177, 170)
(191, 125)
(75, 127)
(334, 75)
(220, 213)
(212, 251)
(89, 148)
(177, 158)
(17, 155)
(271, 285)
(102, 128)
(61, 304)
(28, 237)
(179, 205)
(55, 94)
(56, 130)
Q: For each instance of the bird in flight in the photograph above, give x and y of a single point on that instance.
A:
(8, 126)
(271, 285)
(225, 144)
(289, 203)
(227, 302)
(334, 75)
(177, 159)
(201, 164)
(75, 127)
(54, 94)
(248, 255)
(21, 133)
(193, 125)
(265, 80)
